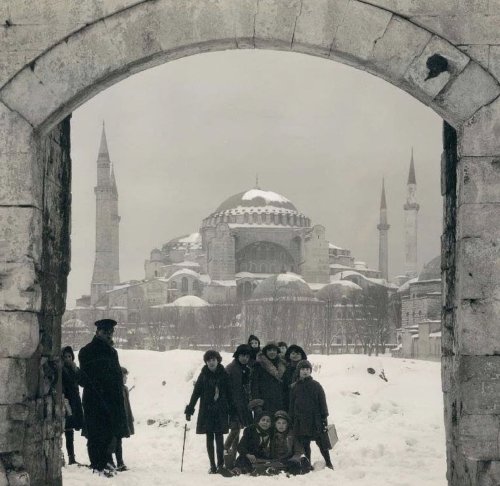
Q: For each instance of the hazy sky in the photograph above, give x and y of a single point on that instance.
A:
(187, 135)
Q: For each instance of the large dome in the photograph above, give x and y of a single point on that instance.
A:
(258, 207)
(256, 198)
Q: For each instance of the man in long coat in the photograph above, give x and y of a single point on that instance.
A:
(103, 405)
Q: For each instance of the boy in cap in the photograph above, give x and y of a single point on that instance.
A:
(239, 382)
(213, 390)
(286, 450)
(309, 412)
(103, 406)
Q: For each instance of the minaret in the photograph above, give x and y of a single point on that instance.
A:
(383, 246)
(411, 222)
(106, 264)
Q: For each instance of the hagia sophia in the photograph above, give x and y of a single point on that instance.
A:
(256, 247)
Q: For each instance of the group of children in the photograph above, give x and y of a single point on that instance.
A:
(270, 394)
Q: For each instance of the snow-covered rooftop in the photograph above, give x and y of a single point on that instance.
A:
(268, 196)
(186, 264)
(189, 301)
(184, 271)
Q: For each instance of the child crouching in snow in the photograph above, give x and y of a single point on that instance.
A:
(287, 451)
(254, 447)
(212, 388)
(309, 412)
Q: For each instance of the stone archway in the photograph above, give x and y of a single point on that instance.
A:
(55, 56)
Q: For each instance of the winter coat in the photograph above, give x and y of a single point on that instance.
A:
(214, 392)
(267, 382)
(103, 404)
(308, 408)
(255, 442)
(285, 445)
(128, 411)
(289, 376)
(70, 381)
(240, 393)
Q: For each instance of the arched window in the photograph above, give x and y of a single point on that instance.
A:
(184, 285)
(156, 273)
(254, 217)
(262, 268)
(246, 218)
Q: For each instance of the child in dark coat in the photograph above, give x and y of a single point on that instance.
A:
(120, 465)
(213, 390)
(255, 446)
(309, 412)
(73, 416)
(286, 450)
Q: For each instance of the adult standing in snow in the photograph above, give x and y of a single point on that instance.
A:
(309, 411)
(239, 381)
(73, 417)
(213, 390)
(103, 405)
(267, 378)
(293, 355)
(254, 343)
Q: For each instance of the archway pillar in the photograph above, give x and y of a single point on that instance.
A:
(471, 277)
(34, 263)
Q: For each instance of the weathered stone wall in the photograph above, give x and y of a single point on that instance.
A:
(35, 231)
(65, 52)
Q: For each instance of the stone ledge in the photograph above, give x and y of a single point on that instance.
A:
(19, 334)
(478, 180)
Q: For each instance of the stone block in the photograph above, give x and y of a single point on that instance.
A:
(494, 61)
(50, 336)
(479, 180)
(488, 473)
(448, 373)
(362, 26)
(11, 432)
(417, 73)
(30, 97)
(19, 334)
(478, 269)
(479, 53)
(477, 327)
(479, 436)
(479, 378)
(20, 233)
(317, 24)
(275, 23)
(20, 287)
(401, 43)
(480, 135)
(480, 221)
(12, 380)
(18, 478)
(18, 412)
(467, 93)
(475, 28)
(432, 7)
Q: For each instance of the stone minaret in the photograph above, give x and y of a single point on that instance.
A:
(411, 222)
(383, 246)
(107, 256)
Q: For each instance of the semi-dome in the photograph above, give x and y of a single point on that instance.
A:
(431, 270)
(283, 286)
(256, 198)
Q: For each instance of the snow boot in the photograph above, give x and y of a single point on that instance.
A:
(224, 472)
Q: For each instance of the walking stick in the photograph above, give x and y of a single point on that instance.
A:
(183, 445)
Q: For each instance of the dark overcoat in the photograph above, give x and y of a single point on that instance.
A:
(267, 382)
(102, 379)
(240, 393)
(308, 408)
(213, 415)
(289, 376)
(70, 382)
(285, 445)
(254, 443)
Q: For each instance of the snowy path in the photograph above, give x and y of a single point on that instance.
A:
(391, 434)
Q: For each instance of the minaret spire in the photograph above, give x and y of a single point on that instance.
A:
(411, 209)
(103, 147)
(383, 228)
(257, 181)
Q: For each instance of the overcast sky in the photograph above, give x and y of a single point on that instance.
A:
(185, 136)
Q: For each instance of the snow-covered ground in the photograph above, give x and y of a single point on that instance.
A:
(390, 433)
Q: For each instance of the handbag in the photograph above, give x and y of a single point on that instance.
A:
(332, 435)
(328, 437)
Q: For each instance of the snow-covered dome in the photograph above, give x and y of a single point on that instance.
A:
(283, 286)
(431, 270)
(337, 290)
(256, 198)
(185, 242)
(189, 301)
(257, 206)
